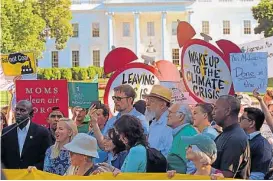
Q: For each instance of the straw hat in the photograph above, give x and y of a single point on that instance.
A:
(160, 92)
(83, 144)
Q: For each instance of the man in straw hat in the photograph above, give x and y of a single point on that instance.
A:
(160, 135)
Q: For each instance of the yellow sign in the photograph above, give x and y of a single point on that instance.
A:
(17, 174)
(18, 64)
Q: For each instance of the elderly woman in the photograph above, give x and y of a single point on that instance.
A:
(202, 118)
(57, 158)
(83, 150)
(202, 152)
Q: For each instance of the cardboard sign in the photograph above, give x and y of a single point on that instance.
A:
(43, 94)
(138, 75)
(82, 94)
(179, 95)
(18, 64)
(205, 72)
(249, 71)
(263, 45)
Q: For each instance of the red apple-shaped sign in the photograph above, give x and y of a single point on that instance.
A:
(206, 69)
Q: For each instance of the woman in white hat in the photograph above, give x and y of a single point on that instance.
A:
(57, 158)
(83, 150)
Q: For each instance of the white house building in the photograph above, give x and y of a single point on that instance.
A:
(147, 27)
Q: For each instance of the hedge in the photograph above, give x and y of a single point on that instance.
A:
(75, 73)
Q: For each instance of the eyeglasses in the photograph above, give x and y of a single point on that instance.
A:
(118, 98)
(244, 118)
(55, 116)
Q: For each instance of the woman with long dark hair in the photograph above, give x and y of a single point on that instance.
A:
(116, 147)
(131, 133)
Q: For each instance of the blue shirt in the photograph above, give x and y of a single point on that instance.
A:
(110, 123)
(22, 134)
(136, 160)
(211, 132)
(160, 135)
(255, 175)
(57, 165)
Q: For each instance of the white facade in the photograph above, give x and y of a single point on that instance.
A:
(137, 23)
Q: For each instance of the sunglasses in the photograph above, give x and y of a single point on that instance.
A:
(118, 98)
(55, 116)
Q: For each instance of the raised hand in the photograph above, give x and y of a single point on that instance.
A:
(257, 95)
(93, 115)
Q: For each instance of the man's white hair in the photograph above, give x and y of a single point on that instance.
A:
(185, 109)
(205, 159)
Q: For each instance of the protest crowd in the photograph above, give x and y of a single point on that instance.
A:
(221, 140)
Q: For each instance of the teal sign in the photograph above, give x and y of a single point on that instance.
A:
(82, 94)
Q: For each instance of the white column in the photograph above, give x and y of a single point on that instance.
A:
(164, 31)
(190, 12)
(110, 30)
(137, 34)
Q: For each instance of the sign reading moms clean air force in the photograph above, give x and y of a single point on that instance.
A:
(206, 74)
(138, 75)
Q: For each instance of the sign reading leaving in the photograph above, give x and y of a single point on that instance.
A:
(249, 71)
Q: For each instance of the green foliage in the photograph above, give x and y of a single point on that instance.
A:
(23, 24)
(91, 72)
(57, 15)
(66, 73)
(83, 74)
(263, 13)
(75, 73)
(21, 27)
(56, 74)
(48, 74)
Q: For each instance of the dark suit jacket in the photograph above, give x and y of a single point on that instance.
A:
(37, 141)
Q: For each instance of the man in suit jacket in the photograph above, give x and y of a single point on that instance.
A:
(24, 143)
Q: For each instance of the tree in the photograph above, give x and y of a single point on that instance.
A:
(20, 27)
(263, 13)
(57, 15)
(26, 24)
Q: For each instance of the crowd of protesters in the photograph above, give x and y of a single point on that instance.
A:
(221, 140)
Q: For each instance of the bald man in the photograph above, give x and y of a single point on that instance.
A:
(24, 143)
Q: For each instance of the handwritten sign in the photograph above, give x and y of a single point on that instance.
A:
(206, 74)
(82, 94)
(138, 75)
(43, 94)
(18, 64)
(263, 45)
(249, 71)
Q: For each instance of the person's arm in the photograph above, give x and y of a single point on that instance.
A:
(97, 132)
(268, 117)
(47, 142)
(232, 156)
(47, 161)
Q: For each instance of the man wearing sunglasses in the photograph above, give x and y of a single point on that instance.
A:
(124, 96)
(53, 119)
(260, 149)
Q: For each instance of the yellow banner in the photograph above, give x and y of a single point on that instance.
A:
(39, 175)
(18, 64)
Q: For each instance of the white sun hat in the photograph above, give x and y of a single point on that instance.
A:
(83, 144)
